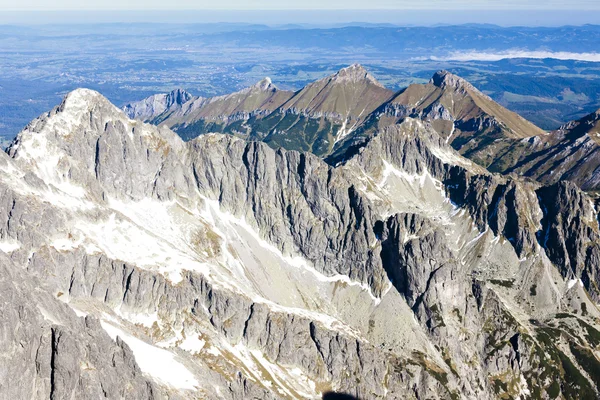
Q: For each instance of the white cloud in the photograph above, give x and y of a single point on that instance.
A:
(508, 54)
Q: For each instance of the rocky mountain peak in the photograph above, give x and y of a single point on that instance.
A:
(178, 97)
(154, 105)
(88, 143)
(444, 79)
(78, 108)
(264, 85)
(354, 73)
(83, 100)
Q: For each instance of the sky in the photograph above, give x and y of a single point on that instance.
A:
(48, 5)
(312, 12)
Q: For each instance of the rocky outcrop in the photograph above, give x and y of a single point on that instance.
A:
(157, 104)
(49, 352)
(570, 233)
(318, 213)
(570, 153)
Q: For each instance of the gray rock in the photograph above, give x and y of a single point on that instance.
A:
(437, 278)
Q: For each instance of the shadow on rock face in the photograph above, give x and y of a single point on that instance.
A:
(338, 396)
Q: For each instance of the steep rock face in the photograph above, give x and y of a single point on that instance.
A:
(300, 204)
(56, 353)
(407, 271)
(407, 260)
(157, 104)
(508, 208)
(570, 233)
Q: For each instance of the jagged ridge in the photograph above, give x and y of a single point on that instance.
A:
(405, 272)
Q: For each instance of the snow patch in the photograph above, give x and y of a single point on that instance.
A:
(145, 319)
(453, 128)
(289, 383)
(68, 243)
(390, 169)
(193, 344)
(448, 156)
(573, 282)
(136, 243)
(9, 245)
(158, 363)
(38, 154)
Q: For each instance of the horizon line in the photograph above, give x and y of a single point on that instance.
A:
(297, 9)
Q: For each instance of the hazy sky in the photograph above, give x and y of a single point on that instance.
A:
(297, 4)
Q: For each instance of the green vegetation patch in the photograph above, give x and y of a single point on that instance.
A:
(503, 282)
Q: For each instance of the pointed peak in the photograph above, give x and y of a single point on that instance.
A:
(444, 79)
(178, 97)
(354, 73)
(353, 69)
(180, 92)
(83, 100)
(82, 95)
(264, 85)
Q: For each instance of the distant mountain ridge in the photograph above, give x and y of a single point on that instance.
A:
(335, 116)
(468, 120)
(310, 119)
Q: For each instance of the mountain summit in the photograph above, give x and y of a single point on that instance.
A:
(469, 120)
(350, 93)
(446, 80)
(354, 73)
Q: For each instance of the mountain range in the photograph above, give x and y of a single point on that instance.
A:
(282, 245)
(338, 114)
